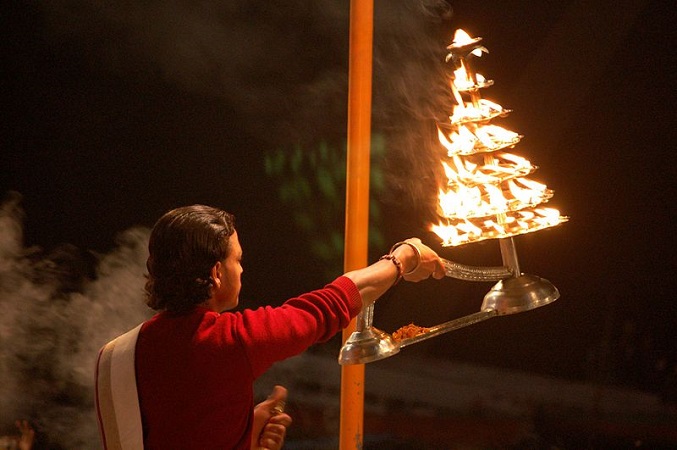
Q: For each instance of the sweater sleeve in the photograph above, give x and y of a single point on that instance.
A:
(271, 334)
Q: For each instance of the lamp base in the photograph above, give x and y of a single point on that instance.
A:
(366, 346)
(517, 294)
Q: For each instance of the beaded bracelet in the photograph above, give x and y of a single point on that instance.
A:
(395, 260)
(416, 250)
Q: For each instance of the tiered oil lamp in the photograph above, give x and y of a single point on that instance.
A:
(487, 196)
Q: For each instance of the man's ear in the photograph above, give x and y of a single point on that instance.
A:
(216, 274)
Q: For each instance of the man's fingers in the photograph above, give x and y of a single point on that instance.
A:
(281, 419)
(279, 393)
(278, 399)
(272, 436)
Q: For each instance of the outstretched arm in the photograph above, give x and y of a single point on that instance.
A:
(409, 259)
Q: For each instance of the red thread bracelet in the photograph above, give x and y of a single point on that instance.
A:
(395, 260)
(416, 250)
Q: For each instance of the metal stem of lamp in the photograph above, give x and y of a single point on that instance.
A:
(515, 292)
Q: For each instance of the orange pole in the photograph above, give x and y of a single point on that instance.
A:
(357, 201)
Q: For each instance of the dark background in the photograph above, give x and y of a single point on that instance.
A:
(114, 114)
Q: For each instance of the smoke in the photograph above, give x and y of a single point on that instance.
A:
(282, 66)
(411, 95)
(278, 64)
(56, 315)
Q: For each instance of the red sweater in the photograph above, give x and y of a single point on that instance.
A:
(195, 372)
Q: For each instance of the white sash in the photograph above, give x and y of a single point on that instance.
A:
(117, 400)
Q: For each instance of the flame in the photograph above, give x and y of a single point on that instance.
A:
(487, 194)
(467, 139)
(485, 110)
(463, 231)
(469, 171)
(461, 38)
(465, 80)
(464, 201)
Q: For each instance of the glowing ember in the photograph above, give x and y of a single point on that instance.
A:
(487, 194)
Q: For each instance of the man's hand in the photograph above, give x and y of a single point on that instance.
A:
(270, 421)
(27, 437)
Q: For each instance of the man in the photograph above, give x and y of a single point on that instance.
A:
(195, 362)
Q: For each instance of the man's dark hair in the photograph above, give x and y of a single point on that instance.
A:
(184, 245)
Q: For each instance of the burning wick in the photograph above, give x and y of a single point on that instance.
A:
(486, 194)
